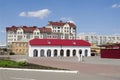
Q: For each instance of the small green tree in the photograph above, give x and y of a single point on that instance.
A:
(12, 53)
(5, 49)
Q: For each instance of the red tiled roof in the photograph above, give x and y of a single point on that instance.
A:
(61, 23)
(58, 42)
(29, 29)
(45, 30)
(13, 28)
(25, 28)
(113, 45)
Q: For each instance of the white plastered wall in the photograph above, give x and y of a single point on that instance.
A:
(58, 48)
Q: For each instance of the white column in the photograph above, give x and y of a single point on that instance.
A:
(83, 52)
(38, 53)
(65, 54)
(89, 52)
(45, 53)
(58, 54)
(30, 52)
(71, 53)
(77, 52)
(52, 53)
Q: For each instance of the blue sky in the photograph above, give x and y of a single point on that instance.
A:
(99, 16)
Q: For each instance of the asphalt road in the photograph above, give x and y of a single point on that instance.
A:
(38, 75)
(35, 75)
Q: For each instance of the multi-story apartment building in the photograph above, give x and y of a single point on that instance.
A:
(24, 33)
(66, 30)
(99, 39)
(54, 30)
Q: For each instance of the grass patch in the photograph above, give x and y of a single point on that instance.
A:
(9, 63)
(23, 64)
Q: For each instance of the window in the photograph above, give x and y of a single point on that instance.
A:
(74, 52)
(55, 52)
(37, 33)
(80, 51)
(42, 53)
(48, 52)
(86, 52)
(68, 53)
(35, 53)
(61, 52)
(19, 38)
(28, 36)
(36, 36)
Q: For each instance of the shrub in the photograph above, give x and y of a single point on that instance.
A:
(92, 54)
(12, 53)
(5, 49)
(22, 63)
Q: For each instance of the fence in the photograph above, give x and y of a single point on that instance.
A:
(110, 53)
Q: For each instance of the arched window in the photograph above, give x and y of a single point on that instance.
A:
(55, 52)
(80, 51)
(42, 53)
(48, 52)
(86, 52)
(68, 53)
(35, 53)
(74, 52)
(61, 52)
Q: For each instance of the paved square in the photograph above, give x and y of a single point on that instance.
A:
(92, 68)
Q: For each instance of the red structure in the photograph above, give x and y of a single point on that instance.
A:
(110, 51)
(58, 42)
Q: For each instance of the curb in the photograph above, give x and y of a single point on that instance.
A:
(39, 70)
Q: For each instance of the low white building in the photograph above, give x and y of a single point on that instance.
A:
(58, 47)
(2, 46)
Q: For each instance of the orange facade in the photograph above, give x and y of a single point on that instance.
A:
(20, 47)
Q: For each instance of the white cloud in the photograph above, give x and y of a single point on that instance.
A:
(67, 19)
(39, 14)
(2, 31)
(116, 6)
(71, 21)
(22, 14)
